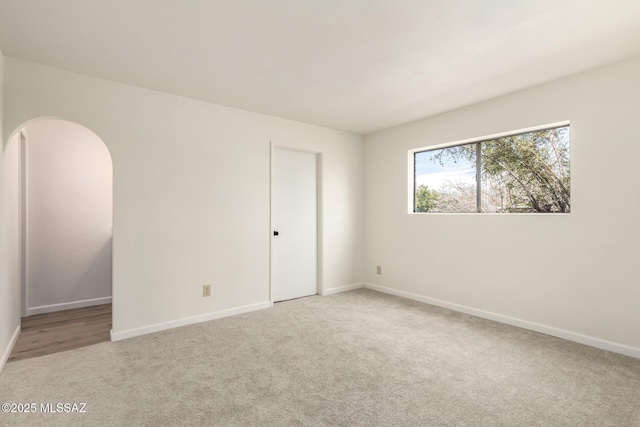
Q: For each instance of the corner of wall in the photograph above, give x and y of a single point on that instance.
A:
(9, 302)
(5, 326)
(9, 348)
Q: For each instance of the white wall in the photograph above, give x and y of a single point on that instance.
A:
(191, 192)
(575, 273)
(69, 192)
(9, 243)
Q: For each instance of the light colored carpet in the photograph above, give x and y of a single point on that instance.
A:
(357, 358)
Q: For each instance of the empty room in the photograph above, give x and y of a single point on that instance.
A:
(305, 212)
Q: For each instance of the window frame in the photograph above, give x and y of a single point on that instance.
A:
(411, 169)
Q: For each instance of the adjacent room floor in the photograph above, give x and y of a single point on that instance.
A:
(50, 333)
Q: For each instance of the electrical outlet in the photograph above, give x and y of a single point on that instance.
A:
(379, 269)
(206, 291)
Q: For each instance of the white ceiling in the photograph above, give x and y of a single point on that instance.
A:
(356, 65)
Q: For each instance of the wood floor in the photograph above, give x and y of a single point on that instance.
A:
(50, 333)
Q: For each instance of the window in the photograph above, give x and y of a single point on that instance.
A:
(523, 172)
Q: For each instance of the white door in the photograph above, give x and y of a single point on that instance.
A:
(294, 201)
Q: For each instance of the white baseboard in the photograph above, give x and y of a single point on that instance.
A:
(67, 306)
(345, 288)
(9, 349)
(532, 326)
(144, 330)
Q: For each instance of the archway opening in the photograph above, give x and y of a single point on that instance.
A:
(62, 200)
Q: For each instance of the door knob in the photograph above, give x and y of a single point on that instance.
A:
(275, 233)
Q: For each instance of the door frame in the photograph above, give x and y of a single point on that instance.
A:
(23, 218)
(318, 154)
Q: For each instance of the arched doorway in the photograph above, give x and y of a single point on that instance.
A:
(64, 204)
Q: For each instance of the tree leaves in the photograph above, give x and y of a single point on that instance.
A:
(425, 199)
